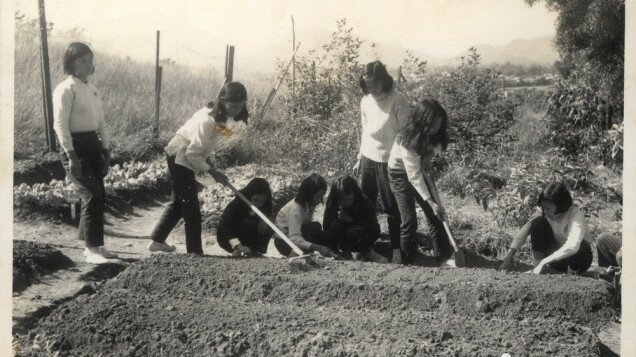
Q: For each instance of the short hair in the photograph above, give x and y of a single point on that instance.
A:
(377, 70)
(346, 185)
(557, 193)
(308, 188)
(231, 92)
(414, 132)
(74, 51)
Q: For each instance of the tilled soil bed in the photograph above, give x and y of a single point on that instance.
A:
(32, 260)
(180, 305)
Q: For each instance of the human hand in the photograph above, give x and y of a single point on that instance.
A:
(106, 155)
(538, 269)
(356, 168)
(75, 166)
(241, 250)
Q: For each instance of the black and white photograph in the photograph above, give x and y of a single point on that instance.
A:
(317, 178)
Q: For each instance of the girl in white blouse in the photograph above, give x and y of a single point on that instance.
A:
(78, 121)
(188, 154)
(423, 135)
(559, 237)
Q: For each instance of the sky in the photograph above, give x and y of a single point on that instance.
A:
(195, 32)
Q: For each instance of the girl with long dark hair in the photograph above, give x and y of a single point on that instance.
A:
(188, 154)
(423, 135)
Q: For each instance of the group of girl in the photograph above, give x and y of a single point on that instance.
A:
(397, 144)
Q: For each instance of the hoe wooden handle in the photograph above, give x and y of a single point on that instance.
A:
(266, 220)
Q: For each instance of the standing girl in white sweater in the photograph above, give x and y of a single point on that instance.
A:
(383, 111)
(78, 121)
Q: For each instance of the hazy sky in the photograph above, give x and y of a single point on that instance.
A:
(195, 32)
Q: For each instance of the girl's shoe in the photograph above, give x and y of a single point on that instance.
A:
(161, 247)
(101, 251)
(94, 255)
(108, 254)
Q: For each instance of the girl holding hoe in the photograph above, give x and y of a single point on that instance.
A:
(383, 111)
(188, 154)
(423, 135)
(81, 131)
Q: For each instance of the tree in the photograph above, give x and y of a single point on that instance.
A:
(587, 105)
(590, 35)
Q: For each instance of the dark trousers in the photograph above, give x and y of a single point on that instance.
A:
(90, 186)
(248, 236)
(351, 237)
(543, 242)
(607, 246)
(311, 232)
(184, 203)
(406, 196)
(374, 179)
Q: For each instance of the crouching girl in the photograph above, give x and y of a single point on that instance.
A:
(559, 237)
(240, 231)
(188, 154)
(295, 219)
(351, 220)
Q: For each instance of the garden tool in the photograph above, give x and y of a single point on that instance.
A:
(303, 262)
(459, 256)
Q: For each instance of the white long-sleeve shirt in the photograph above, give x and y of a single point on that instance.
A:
(77, 108)
(569, 231)
(382, 118)
(195, 141)
(290, 220)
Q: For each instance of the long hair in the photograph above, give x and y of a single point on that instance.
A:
(346, 185)
(257, 186)
(415, 135)
(231, 92)
(74, 51)
(377, 71)
(557, 193)
(308, 188)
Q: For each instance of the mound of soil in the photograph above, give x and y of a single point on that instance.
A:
(200, 306)
(32, 260)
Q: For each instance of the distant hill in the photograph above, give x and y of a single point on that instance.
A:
(520, 51)
(537, 51)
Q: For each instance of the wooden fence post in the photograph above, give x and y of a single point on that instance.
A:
(46, 81)
(155, 131)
